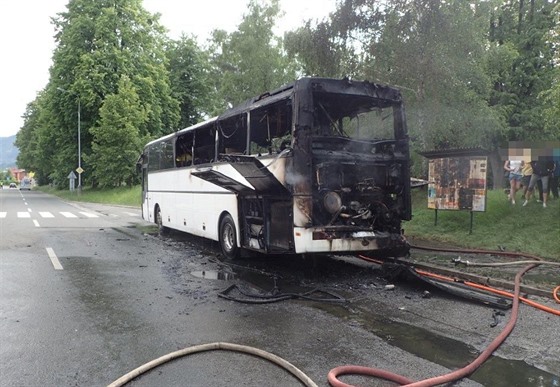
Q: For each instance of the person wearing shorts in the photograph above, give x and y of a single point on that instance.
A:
(541, 172)
(514, 167)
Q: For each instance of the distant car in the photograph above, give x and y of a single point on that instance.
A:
(13, 185)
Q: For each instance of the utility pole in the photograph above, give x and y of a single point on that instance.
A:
(79, 170)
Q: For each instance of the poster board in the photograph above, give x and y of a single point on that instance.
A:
(458, 183)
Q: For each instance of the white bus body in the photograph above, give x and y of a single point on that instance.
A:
(302, 169)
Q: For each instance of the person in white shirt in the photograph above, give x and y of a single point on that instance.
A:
(514, 166)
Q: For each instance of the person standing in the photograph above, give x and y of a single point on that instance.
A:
(526, 172)
(542, 169)
(555, 177)
(514, 167)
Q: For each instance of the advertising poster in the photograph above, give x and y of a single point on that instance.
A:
(457, 183)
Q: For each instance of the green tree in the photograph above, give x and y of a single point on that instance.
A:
(27, 141)
(525, 29)
(551, 97)
(250, 60)
(434, 51)
(189, 74)
(316, 51)
(117, 141)
(97, 43)
(40, 141)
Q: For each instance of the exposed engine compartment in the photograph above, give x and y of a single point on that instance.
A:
(363, 196)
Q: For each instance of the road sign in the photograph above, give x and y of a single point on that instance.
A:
(79, 170)
(72, 178)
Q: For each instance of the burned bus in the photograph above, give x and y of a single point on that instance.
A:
(317, 166)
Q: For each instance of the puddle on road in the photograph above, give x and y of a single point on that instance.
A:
(255, 278)
(450, 353)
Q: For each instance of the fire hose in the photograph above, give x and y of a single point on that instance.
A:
(333, 375)
(462, 372)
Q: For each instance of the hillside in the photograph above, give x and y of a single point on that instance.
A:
(8, 152)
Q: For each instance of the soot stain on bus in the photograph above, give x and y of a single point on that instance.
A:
(321, 165)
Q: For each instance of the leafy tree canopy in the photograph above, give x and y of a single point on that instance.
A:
(97, 44)
(251, 60)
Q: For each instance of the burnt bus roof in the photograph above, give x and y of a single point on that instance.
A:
(388, 94)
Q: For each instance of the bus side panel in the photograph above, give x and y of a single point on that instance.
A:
(190, 204)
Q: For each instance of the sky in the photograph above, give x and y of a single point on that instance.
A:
(27, 43)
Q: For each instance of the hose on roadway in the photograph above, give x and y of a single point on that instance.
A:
(505, 254)
(304, 379)
(544, 308)
(499, 264)
(446, 378)
(333, 375)
(462, 372)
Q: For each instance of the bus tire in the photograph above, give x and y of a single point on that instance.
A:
(159, 221)
(228, 238)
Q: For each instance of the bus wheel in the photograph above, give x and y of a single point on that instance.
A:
(159, 221)
(228, 238)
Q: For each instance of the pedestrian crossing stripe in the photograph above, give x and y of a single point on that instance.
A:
(66, 214)
(89, 215)
(46, 214)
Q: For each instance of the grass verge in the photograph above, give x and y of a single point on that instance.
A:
(125, 196)
(531, 229)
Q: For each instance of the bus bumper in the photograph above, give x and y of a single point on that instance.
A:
(315, 240)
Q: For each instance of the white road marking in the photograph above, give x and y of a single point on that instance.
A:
(131, 214)
(68, 215)
(25, 214)
(54, 259)
(89, 215)
(3, 214)
(46, 214)
(36, 223)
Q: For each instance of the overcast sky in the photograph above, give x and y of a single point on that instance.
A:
(27, 39)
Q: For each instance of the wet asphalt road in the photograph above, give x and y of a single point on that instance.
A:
(125, 296)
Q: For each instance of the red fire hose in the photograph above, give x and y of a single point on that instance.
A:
(470, 368)
(452, 376)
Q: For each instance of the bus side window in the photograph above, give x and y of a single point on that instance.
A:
(282, 133)
(204, 145)
(183, 150)
(271, 128)
(165, 154)
(233, 135)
